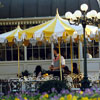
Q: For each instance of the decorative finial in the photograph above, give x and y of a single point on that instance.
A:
(57, 12)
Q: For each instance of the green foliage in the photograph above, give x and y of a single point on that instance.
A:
(49, 85)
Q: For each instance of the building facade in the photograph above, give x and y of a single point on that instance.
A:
(28, 13)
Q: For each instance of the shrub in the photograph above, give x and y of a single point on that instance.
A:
(48, 85)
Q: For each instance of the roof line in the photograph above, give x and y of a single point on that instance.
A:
(23, 21)
(29, 18)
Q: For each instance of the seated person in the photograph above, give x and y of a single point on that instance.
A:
(55, 66)
(38, 71)
(67, 76)
(66, 70)
(75, 69)
(25, 73)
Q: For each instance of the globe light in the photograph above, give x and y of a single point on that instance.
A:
(77, 13)
(98, 15)
(74, 17)
(84, 7)
(93, 13)
(88, 15)
(68, 15)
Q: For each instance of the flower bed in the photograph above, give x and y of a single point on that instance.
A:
(88, 94)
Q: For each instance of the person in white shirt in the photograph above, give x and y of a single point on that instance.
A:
(88, 54)
(56, 61)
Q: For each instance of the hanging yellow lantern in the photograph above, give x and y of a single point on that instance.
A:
(96, 38)
(77, 38)
(26, 42)
(10, 44)
(64, 36)
(39, 43)
(81, 38)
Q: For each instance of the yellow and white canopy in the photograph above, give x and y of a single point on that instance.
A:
(92, 32)
(57, 27)
(10, 36)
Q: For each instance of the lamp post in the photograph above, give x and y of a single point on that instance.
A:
(85, 18)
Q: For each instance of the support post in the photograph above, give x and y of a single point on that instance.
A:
(71, 53)
(18, 62)
(52, 52)
(99, 49)
(60, 60)
(25, 53)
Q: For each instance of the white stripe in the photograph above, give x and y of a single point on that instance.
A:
(39, 33)
(59, 29)
(77, 28)
(16, 35)
(4, 35)
(93, 29)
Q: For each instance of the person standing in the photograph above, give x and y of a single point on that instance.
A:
(55, 66)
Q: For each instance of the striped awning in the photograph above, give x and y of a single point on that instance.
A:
(10, 36)
(57, 26)
(92, 32)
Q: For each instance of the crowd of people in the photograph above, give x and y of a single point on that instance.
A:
(55, 66)
(38, 70)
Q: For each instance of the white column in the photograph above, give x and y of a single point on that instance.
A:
(52, 53)
(99, 49)
(5, 53)
(81, 50)
(25, 53)
(81, 56)
(11, 53)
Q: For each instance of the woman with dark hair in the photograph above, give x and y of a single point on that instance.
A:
(38, 70)
(66, 70)
(75, 69)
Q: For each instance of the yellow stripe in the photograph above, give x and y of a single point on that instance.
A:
(88, 31)
(10, 38)
(50, 29)
(67, 28)
(30, 32)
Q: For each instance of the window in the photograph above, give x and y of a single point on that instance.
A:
(65, 50)
(2, 53)
(75, 50)
(39, 51)
(93, 49)
(10, 53)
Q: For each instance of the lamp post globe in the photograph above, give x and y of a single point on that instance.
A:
(84, 7)
(84, 18)
(88, 15)
(68, 15)
(77, 13)
(93, 13)
(74, 17)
